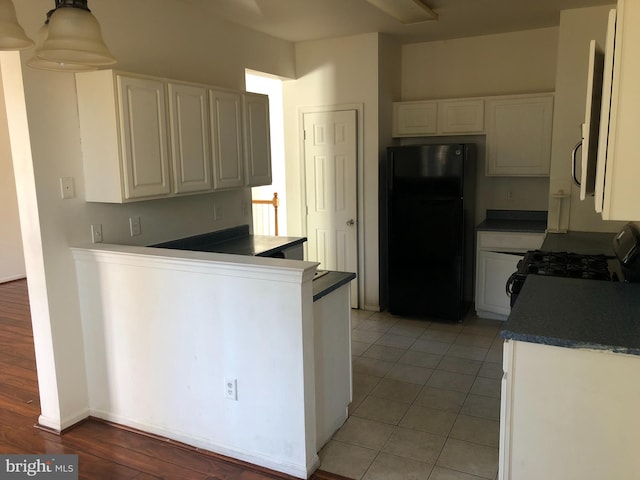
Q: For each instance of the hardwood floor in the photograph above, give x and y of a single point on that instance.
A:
(105, 451)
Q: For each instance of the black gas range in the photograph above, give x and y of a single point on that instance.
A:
(559, 264)
(624, 266)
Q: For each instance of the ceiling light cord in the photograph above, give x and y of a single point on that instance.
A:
(83, 4)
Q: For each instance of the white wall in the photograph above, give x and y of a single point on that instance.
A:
(501, 64)
(11, 253)
(577, 28)
(331, 73)
(174, 41)
(178, 324)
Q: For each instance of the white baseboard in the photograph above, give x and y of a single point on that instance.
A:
(59, 425)
(299, 471)
(12, 278)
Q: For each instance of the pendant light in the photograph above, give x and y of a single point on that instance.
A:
(74, 37)
(12, 36)
(42, 64)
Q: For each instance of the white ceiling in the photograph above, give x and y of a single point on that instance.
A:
(300, 20)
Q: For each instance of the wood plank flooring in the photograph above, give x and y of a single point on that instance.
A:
(106, 452)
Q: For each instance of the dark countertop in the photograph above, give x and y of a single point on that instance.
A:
(576, 313)
(235, 241)
(326, 284)
(528, 221)
(584, 243)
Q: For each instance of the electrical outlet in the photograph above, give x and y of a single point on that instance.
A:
(231, 388)
(96, 233)
(134, 226)
(216, 212)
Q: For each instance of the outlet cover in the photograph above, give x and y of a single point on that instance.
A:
(231, 388)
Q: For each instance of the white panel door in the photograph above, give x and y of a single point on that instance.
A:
(330, 156)
(188, 116)
(145, 144)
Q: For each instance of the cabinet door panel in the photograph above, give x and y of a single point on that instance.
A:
(227, 139)
(258, 141)
(519, 135)
(461, 116)
(189, 119)
(415, 119)
(494, 269)
(144, 137)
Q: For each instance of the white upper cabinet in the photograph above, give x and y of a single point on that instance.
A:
(438, 117)
(190, 144)
(257, 148)
(519, 135)
(125, 146)
(144, 137)
(227, 139)
(619, 143)
(461, 116)
(145, 154)
(413, 119)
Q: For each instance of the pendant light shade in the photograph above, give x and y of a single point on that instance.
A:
(42, 64)
(75, 37)
(12, 36)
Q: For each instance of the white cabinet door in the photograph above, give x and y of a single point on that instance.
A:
(411, 119)
(257, 140)
(145, 146)
(461, 116)
(190, 144)
(620, 182)
(519, 135)
(227, 139)
(493, 271)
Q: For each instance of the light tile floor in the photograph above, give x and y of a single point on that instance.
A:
(426, 401)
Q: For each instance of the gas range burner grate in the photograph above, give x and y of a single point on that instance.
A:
(564, 264)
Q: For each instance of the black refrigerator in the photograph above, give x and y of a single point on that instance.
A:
(430, 211)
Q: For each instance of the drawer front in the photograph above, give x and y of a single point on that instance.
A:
(509, 241)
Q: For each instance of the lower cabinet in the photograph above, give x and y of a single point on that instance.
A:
(497, 257)
(493, 271)
(568, 413)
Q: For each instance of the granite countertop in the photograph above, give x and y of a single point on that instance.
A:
(326, 284)
(528, 221)
(236, 240)
(577, 313)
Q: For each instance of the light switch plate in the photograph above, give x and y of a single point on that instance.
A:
(135, 226)
(67, 188)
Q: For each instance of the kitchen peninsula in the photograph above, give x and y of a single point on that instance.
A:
(242, 355)
(569, 398)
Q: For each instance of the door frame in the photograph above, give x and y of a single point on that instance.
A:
(359, 109)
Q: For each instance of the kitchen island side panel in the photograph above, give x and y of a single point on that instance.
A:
(570, 414)
(164, 330)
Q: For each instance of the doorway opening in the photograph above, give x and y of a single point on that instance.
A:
(264, 213)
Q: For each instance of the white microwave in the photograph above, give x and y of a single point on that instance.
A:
(595, 129)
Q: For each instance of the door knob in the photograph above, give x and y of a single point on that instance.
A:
(351, 222)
